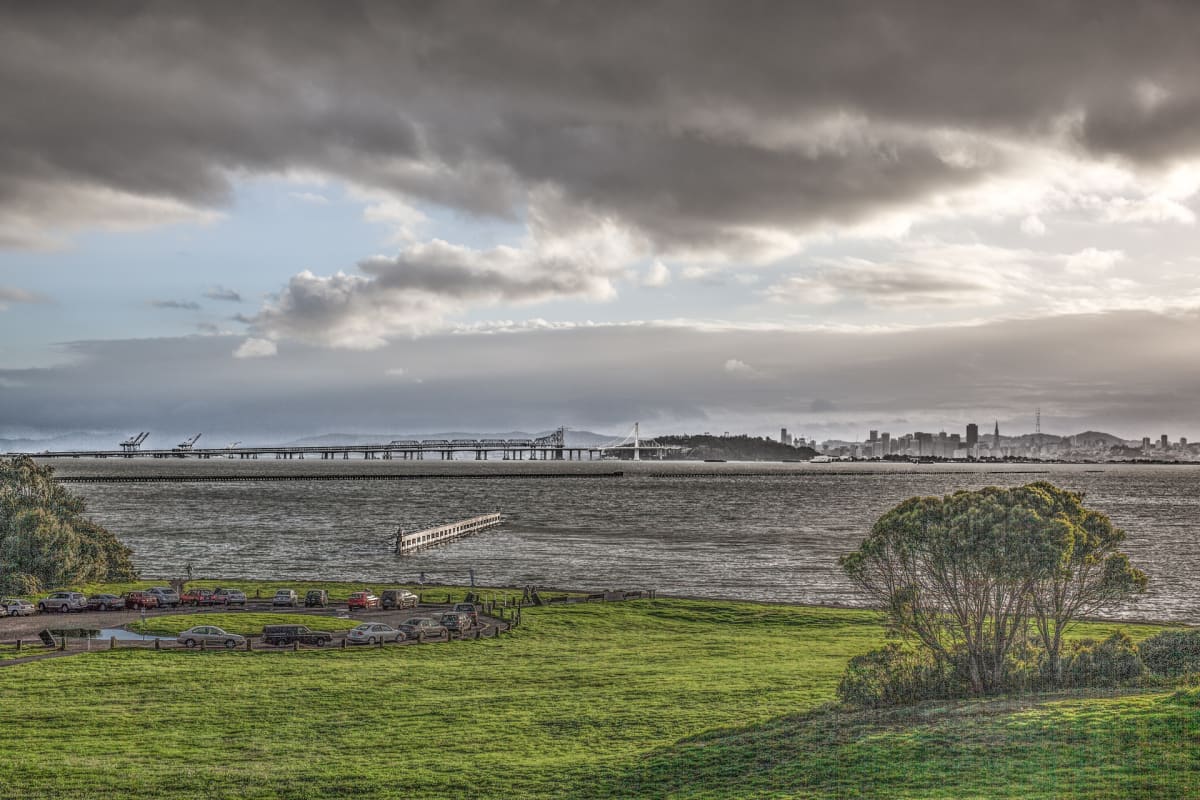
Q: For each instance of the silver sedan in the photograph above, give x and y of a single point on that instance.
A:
(372, 632)
(209, 635)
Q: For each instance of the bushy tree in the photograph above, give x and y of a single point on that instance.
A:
(1172, 653)
(965, 574)
(45, 539)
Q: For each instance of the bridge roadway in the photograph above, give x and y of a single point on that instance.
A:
(445, 451)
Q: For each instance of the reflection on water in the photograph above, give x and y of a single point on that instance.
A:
(755, 531)
(120, 634)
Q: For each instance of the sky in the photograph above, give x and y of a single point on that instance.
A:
(270, 220)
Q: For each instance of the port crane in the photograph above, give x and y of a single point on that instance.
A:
(134, 443)
(187, 443)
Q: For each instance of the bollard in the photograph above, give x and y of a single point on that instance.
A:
(420, 598)
(202, 645)
(63, 645)
(421, 636)
(247, 644)
(296, 646)
(343, 643)
(112, 643)
(157, 644)
(447, 598)
(18, 645)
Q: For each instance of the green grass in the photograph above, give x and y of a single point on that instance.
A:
(245, 623)
(645, 698)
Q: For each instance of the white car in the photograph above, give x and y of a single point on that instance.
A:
(209, 634)
(16, 607)
(285, 597)
(372, 632)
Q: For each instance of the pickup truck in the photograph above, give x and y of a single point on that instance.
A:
(286, 634)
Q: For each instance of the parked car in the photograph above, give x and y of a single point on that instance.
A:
(316, 598)
(398, 598)
(229, 597)
(209, 634)
(456, 622)
(63, 601)
(105, 602)
(372, 632)
(362, 600)
(167, 597)
(16, 607)
(198, 597)
(286, 634)
(414, 627)
(3, 612)
(140, 600)
(470, 609)
(285, 597)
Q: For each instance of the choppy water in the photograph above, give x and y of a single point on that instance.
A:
(754, 531)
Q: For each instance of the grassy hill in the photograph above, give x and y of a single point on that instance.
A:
(639, 699)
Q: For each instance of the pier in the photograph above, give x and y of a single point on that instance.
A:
(410, 542)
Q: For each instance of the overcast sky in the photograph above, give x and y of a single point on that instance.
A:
(265, 220)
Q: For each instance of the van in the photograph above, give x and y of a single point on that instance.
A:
(316, 598)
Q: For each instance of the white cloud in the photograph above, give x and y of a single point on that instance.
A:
(1033, 226)
(658, 275)
(310, 197)
(739, 368)
(255, 348)
(1090, 261)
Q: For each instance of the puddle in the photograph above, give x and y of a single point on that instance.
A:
(105, 633)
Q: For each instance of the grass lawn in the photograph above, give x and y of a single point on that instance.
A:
(246, 623)
(644, 698)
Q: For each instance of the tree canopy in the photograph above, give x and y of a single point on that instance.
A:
(972, 575)
(45, 539)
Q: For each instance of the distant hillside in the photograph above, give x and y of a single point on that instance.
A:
(736, 448)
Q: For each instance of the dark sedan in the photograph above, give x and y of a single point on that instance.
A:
(105, 602)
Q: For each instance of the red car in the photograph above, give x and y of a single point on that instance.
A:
(140, 600)
(198, 597)
(363, 600)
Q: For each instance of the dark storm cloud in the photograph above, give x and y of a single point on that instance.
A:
(665, 376)
(694, 123)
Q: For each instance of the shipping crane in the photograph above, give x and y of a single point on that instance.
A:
(187, 444)
(134, 443)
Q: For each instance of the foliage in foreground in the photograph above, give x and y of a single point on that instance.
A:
(973, 576)
(45, 539)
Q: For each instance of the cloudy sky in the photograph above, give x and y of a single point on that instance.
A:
(264, 220)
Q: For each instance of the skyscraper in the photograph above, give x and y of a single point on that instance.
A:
(972, 435)
(996, 435)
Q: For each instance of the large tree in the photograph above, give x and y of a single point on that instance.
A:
(966, 574)
(45, 539)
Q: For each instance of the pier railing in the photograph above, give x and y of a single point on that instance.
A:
(408, 542)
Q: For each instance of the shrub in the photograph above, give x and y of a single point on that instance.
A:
(1172, 653)
(1108, 663)
(894, 675)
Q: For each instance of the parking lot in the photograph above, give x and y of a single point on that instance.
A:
(27, 629)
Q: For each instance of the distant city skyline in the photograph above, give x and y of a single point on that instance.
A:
(832, 221)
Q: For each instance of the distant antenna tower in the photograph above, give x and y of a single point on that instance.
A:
(1037, 424)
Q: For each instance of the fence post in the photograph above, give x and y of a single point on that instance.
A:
(112, 643)
(343, 642)
(296, 646)
(157, 644)
(18, 645)
(247, 644)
